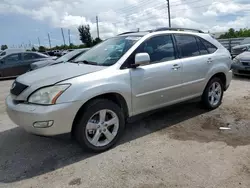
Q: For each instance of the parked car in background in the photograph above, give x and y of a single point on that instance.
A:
(94, 96)
(17, 63)
(10, 51)
(241, 64)
(243, 46)
(67, 57)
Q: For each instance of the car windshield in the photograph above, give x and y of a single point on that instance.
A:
(245, 41)
(68, 56)
(2, 53)
(108, 52)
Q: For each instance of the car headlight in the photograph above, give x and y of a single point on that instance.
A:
(236, 61)
(47, 95)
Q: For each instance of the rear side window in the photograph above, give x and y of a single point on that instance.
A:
(30, 56)
(187, 45)
(202, 47)
(210, 47)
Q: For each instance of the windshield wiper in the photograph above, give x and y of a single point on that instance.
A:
(87, 62)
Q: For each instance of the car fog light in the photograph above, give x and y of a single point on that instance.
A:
(43, 124)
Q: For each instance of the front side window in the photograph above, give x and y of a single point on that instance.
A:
(159, 48)
(187, 45)
(12, 59)
(109, 51)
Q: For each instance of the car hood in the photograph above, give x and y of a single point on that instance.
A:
(240, 46)
(54, 74)
(245, 56)
(40, 64)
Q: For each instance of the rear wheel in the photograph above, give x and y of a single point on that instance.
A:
(101, 125)
(213, 94)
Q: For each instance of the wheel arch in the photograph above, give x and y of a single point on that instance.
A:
(221, 76)
(112, 96)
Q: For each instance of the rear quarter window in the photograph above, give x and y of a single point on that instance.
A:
(210, 47)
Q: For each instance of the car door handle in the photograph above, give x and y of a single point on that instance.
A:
(176, 67)
(209, 60)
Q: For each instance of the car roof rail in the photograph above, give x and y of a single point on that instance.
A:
(128, 32)
(177, 29)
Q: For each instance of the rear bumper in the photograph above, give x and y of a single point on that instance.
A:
(229, 77)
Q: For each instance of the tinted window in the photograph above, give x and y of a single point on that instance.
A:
(159, 48)
(202, 47)
(3, 53)
(187, 45)
(12, 59)
(30, 56)
(210, 47)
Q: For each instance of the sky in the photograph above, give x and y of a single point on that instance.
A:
(24, 21)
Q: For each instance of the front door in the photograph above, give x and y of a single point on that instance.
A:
(158, 83)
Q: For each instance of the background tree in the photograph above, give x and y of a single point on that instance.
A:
(33, 49)
(42, 49)
(4, 47)
(231, 33)
(85, 36)
(96, 41)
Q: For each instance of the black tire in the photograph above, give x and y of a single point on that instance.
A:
(205, 95)
(92, 108)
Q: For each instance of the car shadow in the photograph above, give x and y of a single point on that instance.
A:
(242, 78)
(24, 156)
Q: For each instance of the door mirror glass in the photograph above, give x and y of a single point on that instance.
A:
(142, 58)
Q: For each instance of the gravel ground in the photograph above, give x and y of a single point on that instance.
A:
(176, 147)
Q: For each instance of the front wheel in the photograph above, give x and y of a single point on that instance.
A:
(213, 94)
(101, 125)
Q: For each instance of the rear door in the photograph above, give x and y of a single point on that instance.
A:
(196, 62)
(10, 65)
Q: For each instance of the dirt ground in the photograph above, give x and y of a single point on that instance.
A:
(176, 147)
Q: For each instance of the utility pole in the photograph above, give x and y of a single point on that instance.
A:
(97, 26)
(29, 43)
(49, 40)
(169, 18)
(69, 36)
(39, 41)
(63, 36)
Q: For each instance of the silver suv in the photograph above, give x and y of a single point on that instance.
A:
(123, 76)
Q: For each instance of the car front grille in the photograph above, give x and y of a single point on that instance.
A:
(17, 88)
(246, 63)
(244, 72)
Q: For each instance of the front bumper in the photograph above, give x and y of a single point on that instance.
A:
(25, 115)
(241, 70)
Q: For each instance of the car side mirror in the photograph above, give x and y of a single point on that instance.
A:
(141, 59)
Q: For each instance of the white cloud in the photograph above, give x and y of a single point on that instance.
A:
(123, 15)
